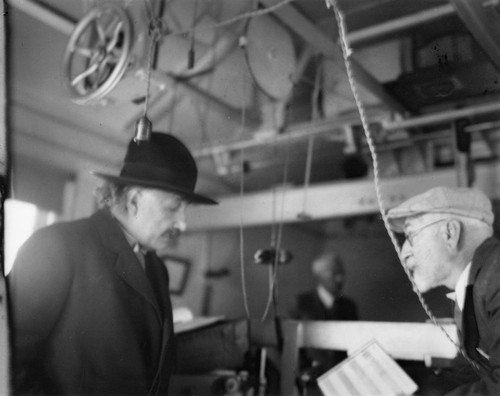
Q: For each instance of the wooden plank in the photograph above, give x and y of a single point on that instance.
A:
(333, 200)
(4, 327)
(401, 340)
(482, 21)
(290, 358)
(404, 341)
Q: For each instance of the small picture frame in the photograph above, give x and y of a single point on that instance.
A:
(178, 272)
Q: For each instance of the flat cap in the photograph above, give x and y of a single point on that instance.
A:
(458, 201)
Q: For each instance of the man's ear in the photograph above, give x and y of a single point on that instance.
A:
(133, 201)
(453, 231)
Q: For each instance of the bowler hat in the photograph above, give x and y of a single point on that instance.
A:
(164, 163)
(444, 201)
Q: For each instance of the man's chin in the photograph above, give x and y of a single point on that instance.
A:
(422, 287)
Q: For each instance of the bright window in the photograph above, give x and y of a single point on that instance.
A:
(21, 220)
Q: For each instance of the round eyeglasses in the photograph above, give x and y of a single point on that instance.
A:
(410, 236)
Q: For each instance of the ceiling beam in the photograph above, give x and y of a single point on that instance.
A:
(334, 127)
(327, 201)
(64, 139)
(303, 27)
(44, 14)
(483, 21)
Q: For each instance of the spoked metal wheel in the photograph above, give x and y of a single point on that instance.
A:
(97, 53)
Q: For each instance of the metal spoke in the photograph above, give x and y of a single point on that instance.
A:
(114, 40)
(84, 74)
(86, 52)
(100, 32)
(109, 28)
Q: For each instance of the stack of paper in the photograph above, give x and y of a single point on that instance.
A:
(369, 371)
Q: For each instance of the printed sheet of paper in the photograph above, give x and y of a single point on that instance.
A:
(369, 371)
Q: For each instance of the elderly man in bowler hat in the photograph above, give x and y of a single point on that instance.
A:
(89, 299)
(448, 242)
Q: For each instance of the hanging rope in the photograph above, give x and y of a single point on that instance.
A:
(238, 18)
(242, 193)
(347, 52)
(310, 144)
(276, 239)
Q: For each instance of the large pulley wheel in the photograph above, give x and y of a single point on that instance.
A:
(270, 56)
(97, 53)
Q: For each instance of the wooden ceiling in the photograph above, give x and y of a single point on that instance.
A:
(419, 66)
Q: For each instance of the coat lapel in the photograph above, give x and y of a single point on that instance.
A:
(470, 332)
(126, 263)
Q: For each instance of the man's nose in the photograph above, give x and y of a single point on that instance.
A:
(180, 219)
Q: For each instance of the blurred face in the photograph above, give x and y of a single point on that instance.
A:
(157, 218)
(425, 253)
(332, 278)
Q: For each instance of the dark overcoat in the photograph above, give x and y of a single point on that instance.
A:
(480, 336)
(85, 319)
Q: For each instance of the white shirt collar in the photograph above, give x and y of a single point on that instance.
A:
(325, 296)
(462, 282)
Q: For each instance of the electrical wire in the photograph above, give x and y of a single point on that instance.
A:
(347, 52)
(276, 245)
(241, 233)
(250, 14)
(310, 143)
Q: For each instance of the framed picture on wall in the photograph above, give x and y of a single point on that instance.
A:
(178, 271)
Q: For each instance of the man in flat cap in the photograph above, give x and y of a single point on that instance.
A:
(89, 299)
(449, 242)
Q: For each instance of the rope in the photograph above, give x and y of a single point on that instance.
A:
(250, 14)
(310, 143)
(242, 191)
(347, 52)
(276, 244)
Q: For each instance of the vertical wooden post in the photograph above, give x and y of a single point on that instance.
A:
(4, 328)
(290, 357)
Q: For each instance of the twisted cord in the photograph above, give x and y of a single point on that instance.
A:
(242, 192)
(347, 52)
(276, 243)
(250, 14)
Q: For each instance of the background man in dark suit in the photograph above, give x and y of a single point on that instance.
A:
(449, 242)
(89, 299)
(326, 302)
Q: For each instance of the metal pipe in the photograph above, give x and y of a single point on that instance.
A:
(443, 116)
(398, 24)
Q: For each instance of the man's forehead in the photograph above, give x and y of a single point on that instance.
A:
(413, 222)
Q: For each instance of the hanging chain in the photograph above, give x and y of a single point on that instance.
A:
(155, 32)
